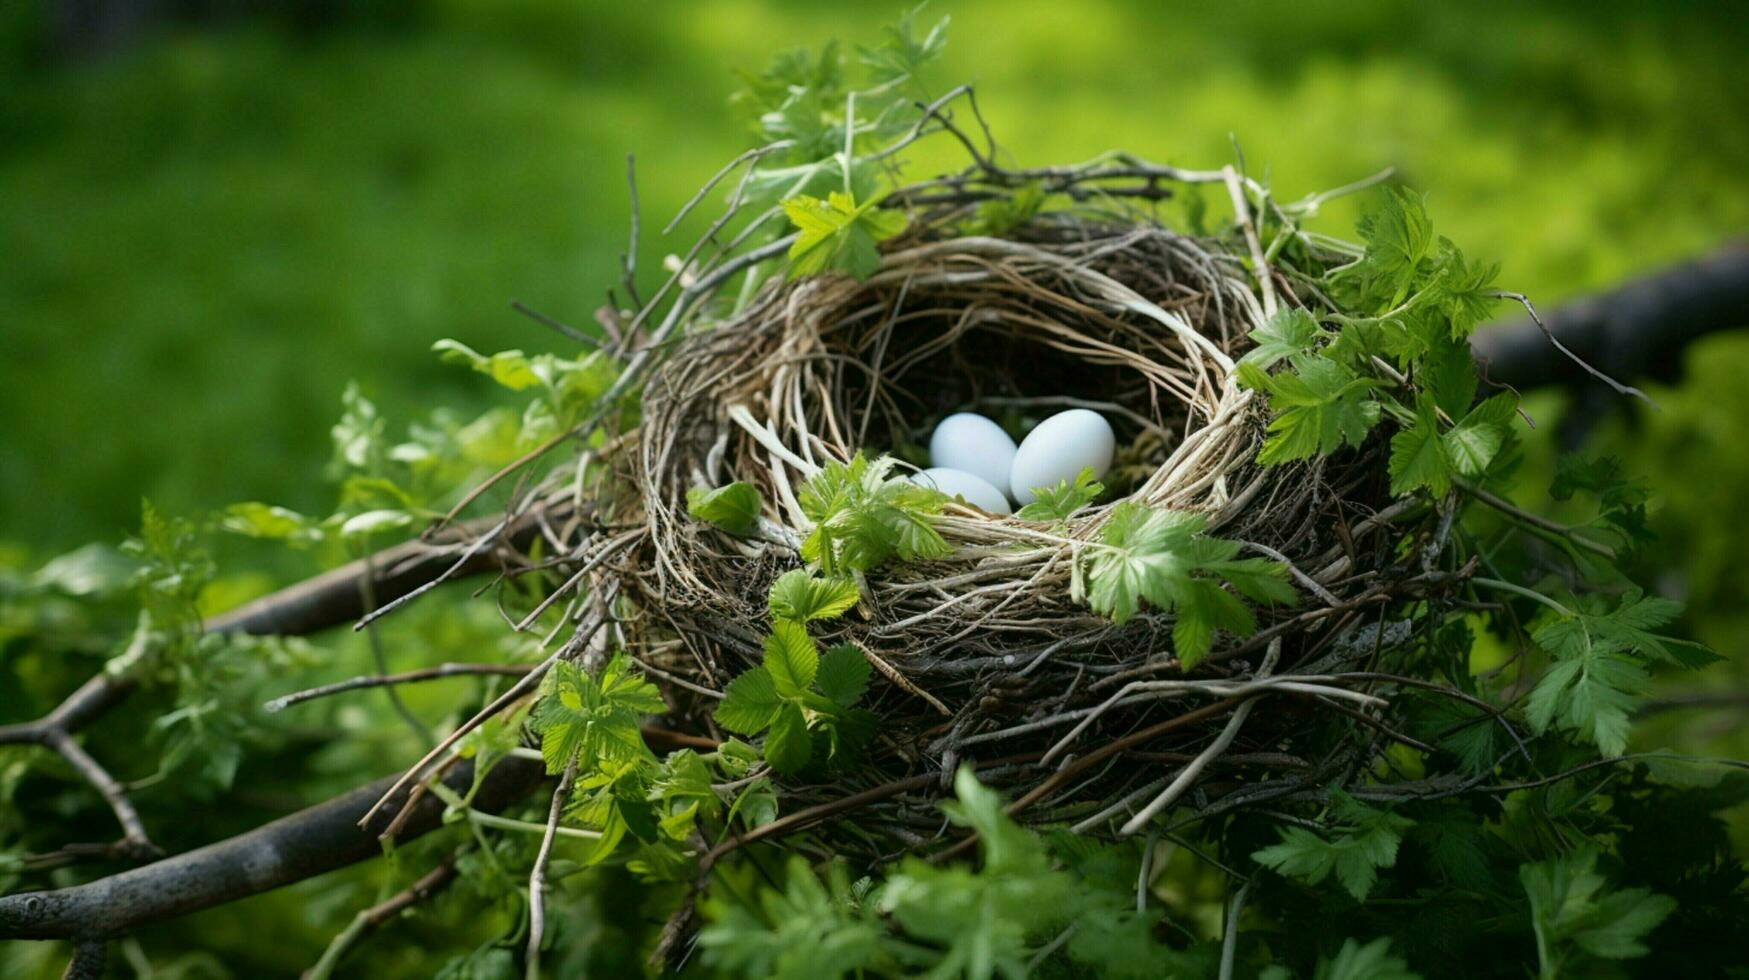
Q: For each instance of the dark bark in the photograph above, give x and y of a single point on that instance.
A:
(302, 845)
(1638, 330)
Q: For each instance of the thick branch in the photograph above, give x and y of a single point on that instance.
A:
(1637, 330)
(305, 844)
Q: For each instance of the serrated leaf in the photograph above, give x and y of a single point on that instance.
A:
(750, 702)
(788, 745)
(1448, 372)
(1472, 443)
(595, 722)
(864, 515)
(1464, 290)
(1365, 840)
(734, 508)
(1058, 503)
(1574, 914)
(1289, 333)
(1399, 242)
(1160, 556)
(791, 658)
(803, 597)
(843, 675)
(1596, 682)
(1418, 455)
(1319, 406)
(838, 234)
(1372, 961)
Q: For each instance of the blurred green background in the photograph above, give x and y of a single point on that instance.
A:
(213, 217)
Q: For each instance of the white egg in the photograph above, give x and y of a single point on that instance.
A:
(973, 489)
(973, 444)
(1059, 449)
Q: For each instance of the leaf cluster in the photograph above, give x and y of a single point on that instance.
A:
(1162, 556)
(864, 514)
(802, 696)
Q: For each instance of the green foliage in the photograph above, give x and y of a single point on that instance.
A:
(1415, 282)
(1162, 556)
(1361, 840)
(1424, 456)
(931, 920)
(734, 508)
(864, 515)
(1291, 332)
(1003, 214)
(1319, 407)
(1600, 665)
(1621, 500)
(795, 692)
(838, 235)
(802, 597)
(593, 721)
(1372, 961)
(810, 930)
(1576, 916)
(1060, 502)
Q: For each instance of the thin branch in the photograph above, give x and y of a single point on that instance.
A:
(537, 876)
(370, 919)
(134, 843)
(563, 329)
(405, 677)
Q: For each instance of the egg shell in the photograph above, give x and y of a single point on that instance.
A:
(1058, 449)
(971, 443)
(974, 489)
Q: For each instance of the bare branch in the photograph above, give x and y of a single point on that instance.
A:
(1638, 329)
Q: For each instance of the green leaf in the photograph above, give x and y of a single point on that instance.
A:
(1000, 216)
(258, 520)
(838, 234)
(1161, 556)
(1058, 503)
(1289, 333)
(803, 597)
(1599, 677)
(1472, 443)
(791, 658)
(734, 508)
(844, 675)
(1574, 914)
(1448, 372)
(1464, 291)
(749, 703)
(1418, 455)
(1399, 242)
(788, 745)
(375, 522)
(863, 515)
(1319, 407)
(1364, 840)
(901, 53)
(510, 368)
(595, 722)
(1372, 961)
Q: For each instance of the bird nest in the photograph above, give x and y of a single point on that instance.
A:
(988, 655)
